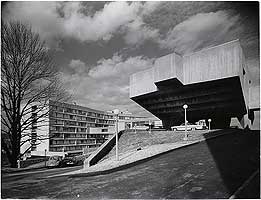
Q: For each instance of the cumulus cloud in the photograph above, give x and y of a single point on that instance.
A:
(78, 66)
(56, 20)
(118, 68)
(200, 30)
(42, 16)
(106, 85)
(137, 32)
(102, 25)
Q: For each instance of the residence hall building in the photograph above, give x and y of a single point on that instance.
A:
(214, 82)
(71, 129)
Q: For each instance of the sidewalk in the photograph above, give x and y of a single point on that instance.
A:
(133, 157)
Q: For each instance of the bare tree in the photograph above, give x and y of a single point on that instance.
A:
(28, 77)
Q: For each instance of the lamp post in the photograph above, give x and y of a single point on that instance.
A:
(149, 127)
(185, 109)
(116, 112)
(45, 157)
(209, 120)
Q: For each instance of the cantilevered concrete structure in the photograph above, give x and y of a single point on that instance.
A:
(214, 82)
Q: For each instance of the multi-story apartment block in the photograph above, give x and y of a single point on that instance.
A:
(70, 128)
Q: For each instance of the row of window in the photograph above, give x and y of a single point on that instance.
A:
(72, 148)
(68, 136)
(81, 112)
(68, 129)
(126, 117)
(74, 123)
(79, 118)
(72, 142)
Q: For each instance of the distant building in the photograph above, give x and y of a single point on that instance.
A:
(127, 120)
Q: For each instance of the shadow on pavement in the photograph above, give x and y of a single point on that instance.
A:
(237, 159)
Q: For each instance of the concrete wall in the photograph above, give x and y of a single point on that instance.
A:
(256, 123)
(102, 151)
(142, 82)
(42, 132)
(168, 67)
(213, 63)
(254, 97)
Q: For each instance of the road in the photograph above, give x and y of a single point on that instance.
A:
(212, 169)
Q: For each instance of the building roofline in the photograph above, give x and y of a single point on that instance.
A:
(211, 47)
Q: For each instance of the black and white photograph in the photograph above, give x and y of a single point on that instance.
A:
(130, 100)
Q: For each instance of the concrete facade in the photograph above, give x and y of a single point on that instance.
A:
(214, 82)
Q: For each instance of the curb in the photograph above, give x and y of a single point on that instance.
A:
(128, 165)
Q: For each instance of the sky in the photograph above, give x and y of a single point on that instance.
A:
(96, 46)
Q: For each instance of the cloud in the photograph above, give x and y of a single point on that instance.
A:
(137, 32)
(78, 66)
(106, 85)
(119, 69)
(199, 31)
(42, 16)
(102, 25)
(59, 20)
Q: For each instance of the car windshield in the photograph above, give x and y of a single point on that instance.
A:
(183, 124)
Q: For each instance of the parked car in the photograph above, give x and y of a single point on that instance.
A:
(68, 161)
(190, 127)
(54, 161)
(200, 127)
(58, 161)
(182, 127)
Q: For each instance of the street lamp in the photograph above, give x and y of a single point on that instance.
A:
(149, 127)
(209, 120)
(45, 157)
(185, 109)
(116, 112)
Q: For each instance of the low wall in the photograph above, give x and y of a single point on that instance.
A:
(102, 151)
(26, 163)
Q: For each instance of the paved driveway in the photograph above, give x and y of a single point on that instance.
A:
(212, 169)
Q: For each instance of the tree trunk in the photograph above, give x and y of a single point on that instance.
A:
(13, 162)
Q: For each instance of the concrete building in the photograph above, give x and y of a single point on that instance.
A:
(70, 128)
(73, 129)
(215, 83)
